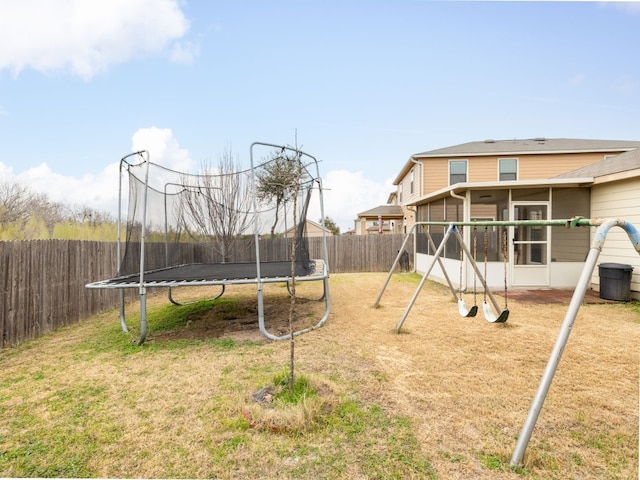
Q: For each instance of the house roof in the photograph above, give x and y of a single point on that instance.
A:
(310, 222)
(384, 210)
(531, 145)
(616, 164)
(522, 147)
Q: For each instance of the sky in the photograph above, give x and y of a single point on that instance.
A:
(359, 84)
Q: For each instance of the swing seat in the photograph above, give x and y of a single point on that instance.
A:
(490, 316)
(464, 313)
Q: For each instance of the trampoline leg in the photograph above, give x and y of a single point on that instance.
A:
(260, 294)
(143, 316)
(123, 322)
(270, 336)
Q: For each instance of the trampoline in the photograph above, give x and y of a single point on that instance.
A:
(223, 226)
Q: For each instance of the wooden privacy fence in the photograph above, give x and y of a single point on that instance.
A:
(43, 280)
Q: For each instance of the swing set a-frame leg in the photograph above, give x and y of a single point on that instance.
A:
(436, 256)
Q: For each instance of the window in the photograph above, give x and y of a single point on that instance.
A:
(400, 193)
(411, 178)
(507, 169)
(457, 171)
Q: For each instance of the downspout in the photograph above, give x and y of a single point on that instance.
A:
(415, 214)
(466, 236)
(421, 174)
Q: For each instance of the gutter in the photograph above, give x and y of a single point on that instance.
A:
(465, 266)
(421, 174)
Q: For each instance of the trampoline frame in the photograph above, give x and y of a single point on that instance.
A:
(318, 269)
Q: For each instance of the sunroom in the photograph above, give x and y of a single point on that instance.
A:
(520, 256)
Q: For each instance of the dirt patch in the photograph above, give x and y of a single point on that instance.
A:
(235, 315)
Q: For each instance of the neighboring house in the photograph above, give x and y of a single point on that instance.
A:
(311, 229)
(381, 219)
(530, 179)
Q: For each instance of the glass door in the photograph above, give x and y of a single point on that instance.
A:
(529, 250)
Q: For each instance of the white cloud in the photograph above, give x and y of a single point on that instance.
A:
(346, 193)
(349, 193)
(85, 37)
(100, 191)
(185, 52)
(163, 148)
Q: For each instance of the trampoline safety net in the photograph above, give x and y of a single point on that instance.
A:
(221, 215)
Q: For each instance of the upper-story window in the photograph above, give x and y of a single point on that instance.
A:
(400, 192)
(507, 169)
(411, 179)
(457, 171)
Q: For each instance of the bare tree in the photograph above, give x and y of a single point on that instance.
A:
(277, 179)
(216, 204)
(16, 202)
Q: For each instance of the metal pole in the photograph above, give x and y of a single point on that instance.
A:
(578, 295)
(444, 270)
(143, 288)
(123, 322)
(393, 267)
(569, 222)
(554, 359)
(424, 277)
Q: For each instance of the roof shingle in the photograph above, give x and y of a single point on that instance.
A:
(616, 164)
(533, 145)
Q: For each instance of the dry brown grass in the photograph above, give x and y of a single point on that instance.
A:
(172, 409)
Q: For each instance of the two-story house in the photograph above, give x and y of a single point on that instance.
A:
(380, 219)
(528, 179)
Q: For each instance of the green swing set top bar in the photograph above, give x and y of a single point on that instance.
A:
(569, 223)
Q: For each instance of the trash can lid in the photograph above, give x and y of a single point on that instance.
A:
(616, 266)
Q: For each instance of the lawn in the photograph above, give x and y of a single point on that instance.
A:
(444, 399)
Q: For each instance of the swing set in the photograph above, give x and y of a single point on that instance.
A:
(597, 243)
(489, 303)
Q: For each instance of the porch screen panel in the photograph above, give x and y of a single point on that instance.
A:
(489, 205)
(453, 212)
(570, 244)
(422, 215)
(432, 212)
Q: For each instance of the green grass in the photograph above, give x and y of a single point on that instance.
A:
(95, 404)
(302, 388)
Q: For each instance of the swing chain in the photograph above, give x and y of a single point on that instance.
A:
(461, 262)
(486, 258)
(505, 256)
(475, 259)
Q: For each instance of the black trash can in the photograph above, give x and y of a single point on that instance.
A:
(615, 281)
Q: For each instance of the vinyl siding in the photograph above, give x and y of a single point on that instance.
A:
(436, 174)
(618, 200)
(485, 169)
(534, 167)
